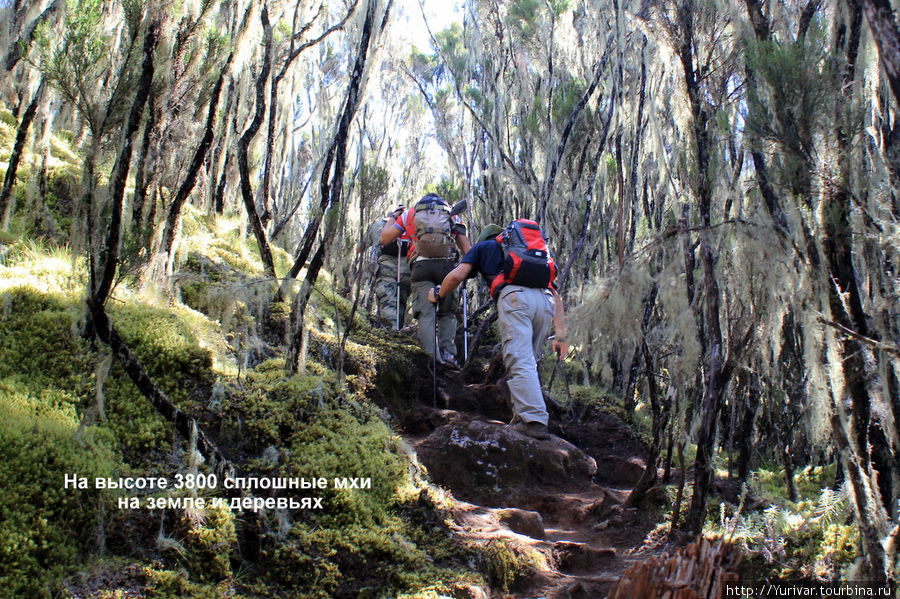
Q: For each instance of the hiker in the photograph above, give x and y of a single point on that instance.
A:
(391, 290)
(526, 308)
(435, 236)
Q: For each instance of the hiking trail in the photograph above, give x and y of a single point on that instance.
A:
(561, 498)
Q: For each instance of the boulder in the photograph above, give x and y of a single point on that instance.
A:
(581, 557)
(478, 459)
(619, 472)
(523, 522)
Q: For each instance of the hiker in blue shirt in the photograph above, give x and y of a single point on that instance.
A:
(525, 315)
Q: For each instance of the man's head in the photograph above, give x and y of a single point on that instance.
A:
(489, 232)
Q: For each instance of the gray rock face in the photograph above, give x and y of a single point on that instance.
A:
(493, 458)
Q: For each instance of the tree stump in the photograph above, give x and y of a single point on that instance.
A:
(700, 570)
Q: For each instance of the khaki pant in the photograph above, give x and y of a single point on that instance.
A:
(425, 275)
(386, 288)
(525, 315)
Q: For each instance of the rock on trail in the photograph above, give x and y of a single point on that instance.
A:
(537, 495)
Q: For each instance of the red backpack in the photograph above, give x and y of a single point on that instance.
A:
(527, 260)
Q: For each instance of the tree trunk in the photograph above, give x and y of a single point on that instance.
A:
(172, 220)
(15, 49)
(102, 279)
(883, 22)
(716, 374)
(219, 162)
(567, 132)
(141, 179)
(265, 252)
(6, 206)
(748, 424)
(659, 407)
(635, 153)
(331, 184)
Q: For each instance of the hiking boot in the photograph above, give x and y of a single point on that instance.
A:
(535, 430)
(449, 360)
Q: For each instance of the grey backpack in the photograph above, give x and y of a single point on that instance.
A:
(431, 217)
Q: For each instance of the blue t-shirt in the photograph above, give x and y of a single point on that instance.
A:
(487, 258)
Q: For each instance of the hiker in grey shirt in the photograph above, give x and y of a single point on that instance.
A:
(435, 237)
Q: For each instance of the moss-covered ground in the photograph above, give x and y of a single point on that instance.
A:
(218, 355)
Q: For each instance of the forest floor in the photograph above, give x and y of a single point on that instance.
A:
(575, 528)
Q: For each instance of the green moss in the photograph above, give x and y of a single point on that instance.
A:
(353, 562)
(271, 407)
(589, 399)
(8, 119)
(168, 348)
(337, 444)
(333, 309)
(45, 529)
(508, 566)
(363, 542)
(42, 353)
(210, 539)
(46, 357)
(811, 480)
(325, 435)
(168, 584)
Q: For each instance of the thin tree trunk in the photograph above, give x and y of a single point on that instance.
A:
(567, 132)
(716, 375)
(219, 197)
(635, 154)
(331, 184)
(658, 407)
(218, 161)
(141, 178)
(883, 22)
(102, 280)
(679, 496)
(15, 49)
(172, 221)
(6, 206)
(620, 210)
(751, 407)
(256, 225)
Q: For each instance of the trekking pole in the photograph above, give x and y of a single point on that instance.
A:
(435, 353)
(553, 374)
(558, 366)
(465, 324)
(397, 318)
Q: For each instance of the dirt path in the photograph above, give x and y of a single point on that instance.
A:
(587, 539)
